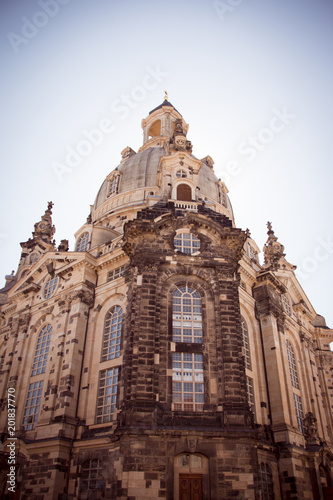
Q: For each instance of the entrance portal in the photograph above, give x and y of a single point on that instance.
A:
(190, 487)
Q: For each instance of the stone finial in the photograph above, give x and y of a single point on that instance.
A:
(273, 250)
(64, 246)
(44, 228)
(127, 153)
(178, 140)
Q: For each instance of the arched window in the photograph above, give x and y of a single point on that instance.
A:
(42, 350)
(112, 334)
(82, 244)
(181, 173)
(184, 192)
(246, 345)
(186, 242)
(292, 365)
(155, 129)
(186, 315)
(50, 287)
(265, 480)
(91, 477)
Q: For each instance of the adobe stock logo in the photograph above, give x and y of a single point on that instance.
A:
(121, 107)
(223, 8)
(322, 252)
(31, 27)
(254, 144)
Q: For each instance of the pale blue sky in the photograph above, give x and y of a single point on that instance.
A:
(229, 67)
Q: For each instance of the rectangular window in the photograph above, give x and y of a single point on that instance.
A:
(32, 405)
(299, 411)
(107, 395)
(250, 395)
(116, 273)
(113, 185)
(188, 382)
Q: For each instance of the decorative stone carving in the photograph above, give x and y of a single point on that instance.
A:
(83, 296)
(310, 427)
(127, 153)
(64, 246)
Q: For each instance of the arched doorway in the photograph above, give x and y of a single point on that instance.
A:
(191, 477)
(184, 192)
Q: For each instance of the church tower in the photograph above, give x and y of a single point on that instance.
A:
(159, 358)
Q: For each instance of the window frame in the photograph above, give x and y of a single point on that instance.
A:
(85, 238)
(179, 242)
(38, 386)
(50, 287)
(96, 472)
(185, 376)
(292, 365)
(181, 173)
(246, 344)
(116, 273)
(187, 316)
(107, 417)
(113, 185)
(181, 348)
(265, 481)
(250, 395)
(40, 358)
(108, 353)
(299, 411)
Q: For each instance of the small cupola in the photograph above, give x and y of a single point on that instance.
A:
(160, 124)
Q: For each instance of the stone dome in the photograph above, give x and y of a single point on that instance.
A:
(138, 171)
(163, 169)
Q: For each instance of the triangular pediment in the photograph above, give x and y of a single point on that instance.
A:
(50, 264)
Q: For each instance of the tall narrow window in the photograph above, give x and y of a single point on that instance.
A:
(246, 345)
(188, 386)
(113, 185)
(265, 480)
(186, 315)
(42, 350)
(292, 365)
(286, 305)
(83, 242)
(184, 192)
(107, 395)
(32, 405)
(112, 334)
(299, 411)
(250, 394)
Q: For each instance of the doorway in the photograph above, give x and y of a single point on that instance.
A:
(190, 487)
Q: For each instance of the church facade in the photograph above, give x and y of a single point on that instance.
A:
(160, 359)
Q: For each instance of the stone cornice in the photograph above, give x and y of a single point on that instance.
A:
(268, 276)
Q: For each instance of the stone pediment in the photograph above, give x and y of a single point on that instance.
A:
(179, 158)
(52, 264)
